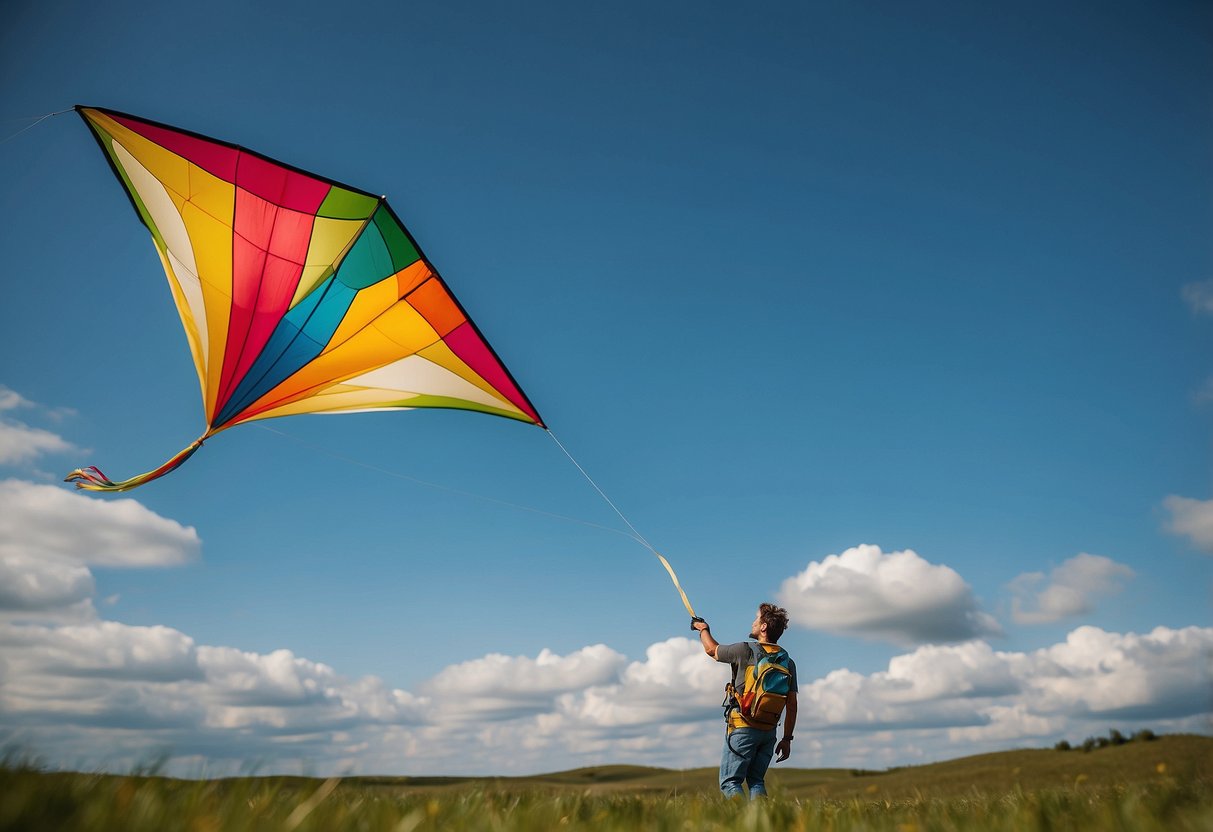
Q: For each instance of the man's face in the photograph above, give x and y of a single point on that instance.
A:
(756, 627)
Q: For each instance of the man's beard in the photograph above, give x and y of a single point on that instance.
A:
(754, 635)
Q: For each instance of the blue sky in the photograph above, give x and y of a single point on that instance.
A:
(786, 283)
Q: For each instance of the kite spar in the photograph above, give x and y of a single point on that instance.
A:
(298, 294)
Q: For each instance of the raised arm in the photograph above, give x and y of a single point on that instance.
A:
(705, 637)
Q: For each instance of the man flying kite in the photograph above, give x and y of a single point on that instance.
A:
(762, 686)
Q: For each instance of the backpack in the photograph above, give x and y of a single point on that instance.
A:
(767, 683)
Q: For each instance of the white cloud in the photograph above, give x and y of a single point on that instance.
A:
(31, 583)
(103, 677)
(12, 400)
(20, 443)
(517, 685)
(676, 682)
(293, 695)
(1192, 519)
(896, 596)
(49, 536)
(85, 692)
(1068, 590)
(108, 694)
(1199, 296)
(50, 522)
(1007, 723)
(106, 649)
(974, 692)
(935, 686)
(1164, 673)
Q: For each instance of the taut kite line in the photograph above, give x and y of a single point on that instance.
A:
(298, 294)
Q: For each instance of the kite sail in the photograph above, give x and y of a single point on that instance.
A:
(298, 294)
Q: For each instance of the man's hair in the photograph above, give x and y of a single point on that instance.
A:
(776, 619)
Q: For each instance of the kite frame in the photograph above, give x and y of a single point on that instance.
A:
(381, 199)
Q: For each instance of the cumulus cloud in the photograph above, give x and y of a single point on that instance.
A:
(674, 683)
(34, 584)
(501, 686)
(895, 596)
(20, 443)
(85, 692)
(935, 686)
(104, 675)
(49, 536)
(1094, 675)
(1162, 674)
(106, 649)
(1070, 589)
(287, 694)
(12, 400)
(1199, 296)
(1192, 519)
(105, 692)
(46, 521)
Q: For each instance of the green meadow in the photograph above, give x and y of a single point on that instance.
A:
(1163, 784)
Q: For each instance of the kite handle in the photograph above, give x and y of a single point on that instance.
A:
(696, 619)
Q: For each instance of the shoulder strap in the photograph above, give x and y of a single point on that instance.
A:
(759, 652)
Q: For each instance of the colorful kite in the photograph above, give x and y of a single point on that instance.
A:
(298, 294)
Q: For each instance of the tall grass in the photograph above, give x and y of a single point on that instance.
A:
(35, 800)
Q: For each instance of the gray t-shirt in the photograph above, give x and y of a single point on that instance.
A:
(741, 656)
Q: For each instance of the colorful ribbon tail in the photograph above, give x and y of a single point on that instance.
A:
(92, 478)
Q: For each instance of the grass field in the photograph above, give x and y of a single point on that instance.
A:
(1166, 784)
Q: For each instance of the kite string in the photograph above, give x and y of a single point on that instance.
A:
(40, 119)
(634, 535)
(638, 536)
(440, 487)
(590, 480)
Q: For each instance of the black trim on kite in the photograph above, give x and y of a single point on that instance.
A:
(467, 317)
(380, 202)
(231, 145)
(80, 108)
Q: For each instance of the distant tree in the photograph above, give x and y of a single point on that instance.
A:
(1088, 744)
(1116, 738)
(1064, 745)
(1102, 742)
(1144, 735)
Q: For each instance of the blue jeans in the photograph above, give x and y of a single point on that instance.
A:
(747, 754)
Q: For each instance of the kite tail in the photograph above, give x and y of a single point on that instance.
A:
(92, 479)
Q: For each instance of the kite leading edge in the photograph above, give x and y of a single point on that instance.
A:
(298, 294)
